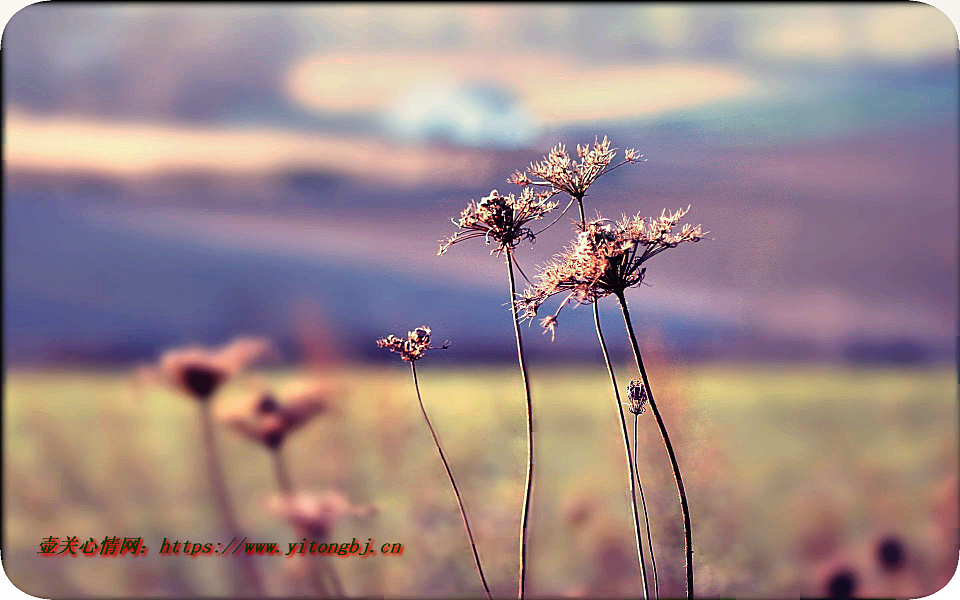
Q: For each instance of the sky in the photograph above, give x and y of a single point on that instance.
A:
(176, 173)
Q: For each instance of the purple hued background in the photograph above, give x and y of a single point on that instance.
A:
(177, 174)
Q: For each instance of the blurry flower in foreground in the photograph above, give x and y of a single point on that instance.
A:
(316, 514)
(199, 371)
(842, 584)
(636, 396)
(558, 171)
(501, 219)
(268, 420)
(891, 554)
(606, 258)
(413, 347)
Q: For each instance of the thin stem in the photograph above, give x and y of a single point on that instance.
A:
(626, 438)
(453, 482)
(285, 487)
(528, 488)
(280, 470)
(629, 455)
(643, 503)
(687, 537)
(251, 583)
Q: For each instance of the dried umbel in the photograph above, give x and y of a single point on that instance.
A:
(199, 372)
(501, 220)
(606, 258)
(561, 173)
(636, 396)
(269, 420)
(413, 347)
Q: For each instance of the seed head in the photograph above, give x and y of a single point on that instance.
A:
(199, 372)
(636, 396)
(410, 349)
(501, 220)
(268, 420)
(606, 258)
(563, 174)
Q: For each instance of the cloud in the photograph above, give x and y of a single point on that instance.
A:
(557, 89)
(132, 148)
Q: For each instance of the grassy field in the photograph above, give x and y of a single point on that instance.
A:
(791, 470)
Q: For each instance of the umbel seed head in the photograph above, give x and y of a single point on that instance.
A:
(636, 396)
(413, 347)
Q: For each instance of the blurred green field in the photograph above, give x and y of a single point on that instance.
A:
(789, 470)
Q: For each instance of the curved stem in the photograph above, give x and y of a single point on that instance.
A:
(524, 514)
(250, 583)
(629, 455)
(687, 537)
(643, 504)
(631, 459)
(453, 482)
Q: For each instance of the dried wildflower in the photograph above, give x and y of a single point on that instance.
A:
(268, 420)
(636, 396)
(606, 258)
(316, 514)
(891, 554)
(199, 372)
(842, 584)
(501, 220)
(561, 173)
(410, 349)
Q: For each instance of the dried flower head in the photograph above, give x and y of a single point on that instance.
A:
(636, 396)
(266, 419)
(891, 554)
(317, 514)
(502, 220)
(561, 173)
(414, 347)
(606, 258)
(199, 372)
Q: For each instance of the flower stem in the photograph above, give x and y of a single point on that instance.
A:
(525, 512)
(453, 482)
(249, 582)
(687, 537)
(631, 458)
(280, 471)
(285, 487)
(643, 503)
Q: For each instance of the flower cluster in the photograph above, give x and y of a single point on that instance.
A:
(606, 258)
(501, 219)
(199, 372)
(561, 173)
(268, 420)
(410, 349)
(636, 396)
(316, 514)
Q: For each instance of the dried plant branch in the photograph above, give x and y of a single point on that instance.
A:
(453, 482)
(643, 504)
(528, 486)
(631, 459)
(687, 535)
